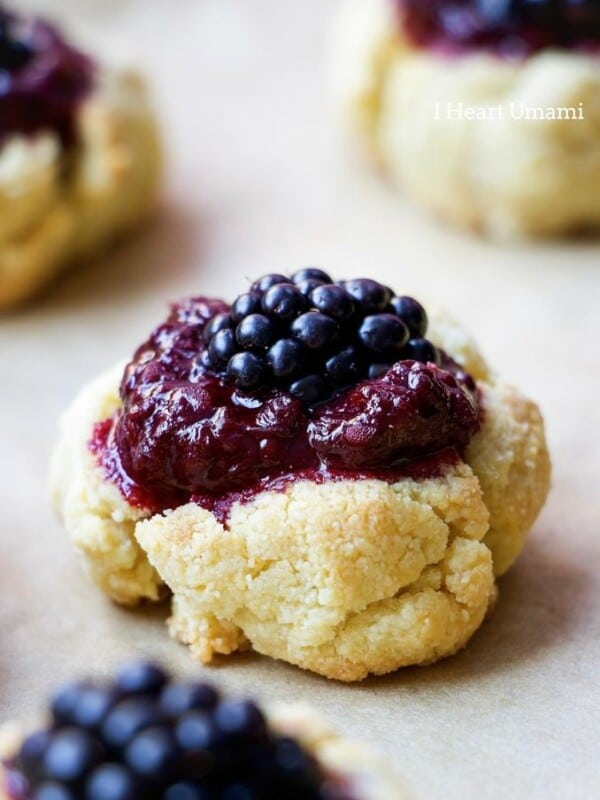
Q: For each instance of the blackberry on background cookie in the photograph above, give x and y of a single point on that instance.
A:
(159, 738)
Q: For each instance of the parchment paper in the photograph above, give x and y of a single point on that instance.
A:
(259, 180)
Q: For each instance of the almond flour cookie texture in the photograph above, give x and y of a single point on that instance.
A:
(79, 155)
(183, 741)
(485, 113)
(307, 473)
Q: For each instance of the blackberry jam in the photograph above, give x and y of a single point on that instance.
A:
(43, 78)
(507, 27)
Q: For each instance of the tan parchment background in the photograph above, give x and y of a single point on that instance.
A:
(258, 180)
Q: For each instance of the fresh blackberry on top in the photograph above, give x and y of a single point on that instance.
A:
(311, 336)
(188, 743)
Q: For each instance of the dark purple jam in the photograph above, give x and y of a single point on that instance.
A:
(512, 28)
(42, 78)
(186, 431)
(143, 736)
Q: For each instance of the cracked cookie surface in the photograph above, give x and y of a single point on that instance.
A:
(345, 579)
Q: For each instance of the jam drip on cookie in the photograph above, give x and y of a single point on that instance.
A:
(299, 378)
(143, 736)
(508, 27)
(42, 78)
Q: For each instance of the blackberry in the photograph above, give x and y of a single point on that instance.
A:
(92, 707)
(241, 719)
(255, 331)
(153, 754)
(246, 370)
(311, 274)
(178, 698)
(383, 334)
(264, 284)
(165, 740)
(312, 337)
(286, 357)
(71, 753)
(370, 296)
(378, 370)
(245, 304)
(333, 301)
(33, 750)
(412, 313)
(283, 301)
(15, 52)
(344, 368)
(63, 704)
(187, 790)
(112, 782)
(421, 350)
(495, 12)
(128, 718)
(222, 346)
(309, 285)
(197, 732)
(317, 331)
(218, 323)
(310, 389)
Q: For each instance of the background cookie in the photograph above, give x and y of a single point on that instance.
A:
(507, 176)
(71, 183)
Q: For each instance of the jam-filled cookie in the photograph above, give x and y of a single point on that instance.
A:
(79, 154)
(485, 112)
(143, 735)
(311, 471)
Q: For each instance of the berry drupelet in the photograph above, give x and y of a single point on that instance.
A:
(312, 337)
(154, 738)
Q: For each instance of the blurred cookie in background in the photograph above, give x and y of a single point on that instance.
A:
(486, 112)
(79, 155)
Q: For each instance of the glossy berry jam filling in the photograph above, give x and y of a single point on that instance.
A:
(186, 430)
(512, 28)
(42, 78)
(142, 735)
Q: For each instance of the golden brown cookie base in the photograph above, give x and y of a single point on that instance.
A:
(345, 578)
